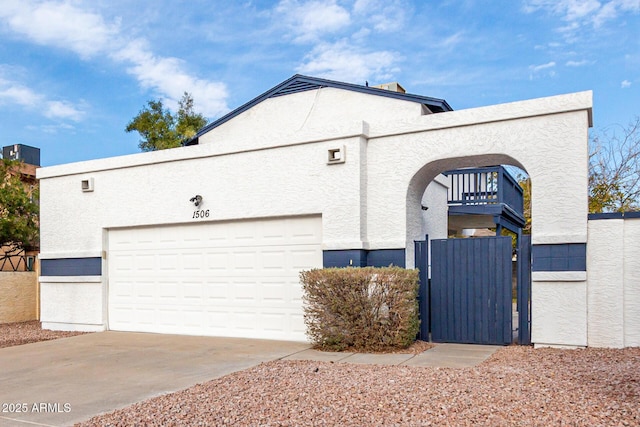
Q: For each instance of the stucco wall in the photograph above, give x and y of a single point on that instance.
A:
(435, 219)
(371, 201)
(613, 257)
(72, 304)
(18, 296)
(281, 181)
(304, 114)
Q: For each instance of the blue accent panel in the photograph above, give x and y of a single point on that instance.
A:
(344, 258)
(613, 215)
(386, 257)
(71, 267)
(300, 83)
(559, 257)
(363, 258)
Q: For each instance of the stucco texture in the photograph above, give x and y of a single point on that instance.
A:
(74, 305)
(613, 257)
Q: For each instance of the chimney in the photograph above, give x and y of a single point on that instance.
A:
(393, 87)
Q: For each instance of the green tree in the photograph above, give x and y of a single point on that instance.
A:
(19, 220)
(159, 129)
(525, 183)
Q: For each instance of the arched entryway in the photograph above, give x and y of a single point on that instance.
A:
(466, 283)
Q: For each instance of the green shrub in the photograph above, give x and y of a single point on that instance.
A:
(361, 308)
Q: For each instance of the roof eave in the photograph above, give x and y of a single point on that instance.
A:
(304, 83)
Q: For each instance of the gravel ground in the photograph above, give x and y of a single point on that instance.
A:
(518, 386)
(27, 332)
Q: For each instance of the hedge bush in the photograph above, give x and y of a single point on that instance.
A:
(361, 309)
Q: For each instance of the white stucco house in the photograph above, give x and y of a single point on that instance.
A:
(209, 239)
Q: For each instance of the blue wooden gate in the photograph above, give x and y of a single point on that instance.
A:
(470, 292)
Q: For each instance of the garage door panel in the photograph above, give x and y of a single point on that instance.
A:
(192, 261)
(243, 260)
(216, 261)
(245, 292)
(226, 279)
(193, 292)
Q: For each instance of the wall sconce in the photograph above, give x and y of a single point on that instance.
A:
(196, 200)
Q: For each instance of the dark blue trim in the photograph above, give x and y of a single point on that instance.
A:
(615, 215)
(424, 298)
(344, 258)
(363, 258)
(386, 257)
(612, 215)
(300, 83)
(559, 257)
(71, 267)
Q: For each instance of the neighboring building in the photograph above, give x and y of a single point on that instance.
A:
(30, 162)
(209, 239)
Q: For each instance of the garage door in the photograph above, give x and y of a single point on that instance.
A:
(235, 279)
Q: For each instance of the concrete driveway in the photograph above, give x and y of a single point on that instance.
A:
(60, 382)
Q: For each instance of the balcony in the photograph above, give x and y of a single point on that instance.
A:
(484, 198)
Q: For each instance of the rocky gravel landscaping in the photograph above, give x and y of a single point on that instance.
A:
(28, 332)
(517, 386)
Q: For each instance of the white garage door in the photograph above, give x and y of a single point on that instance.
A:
(235, 279)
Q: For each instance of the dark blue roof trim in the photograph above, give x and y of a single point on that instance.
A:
(612, 215)
(615, 215)
(299, 83)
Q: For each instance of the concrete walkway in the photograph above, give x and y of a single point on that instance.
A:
(442, 356)
(60, 382)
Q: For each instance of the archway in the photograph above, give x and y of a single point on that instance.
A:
(546, 137)
(466, 294)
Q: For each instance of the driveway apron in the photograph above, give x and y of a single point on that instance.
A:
(60, 382)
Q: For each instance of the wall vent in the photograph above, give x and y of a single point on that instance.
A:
(336, 155)
(87, 185)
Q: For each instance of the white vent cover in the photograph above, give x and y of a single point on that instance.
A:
(87, 184)
(336, 155)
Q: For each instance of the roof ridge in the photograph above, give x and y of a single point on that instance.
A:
(301, 83)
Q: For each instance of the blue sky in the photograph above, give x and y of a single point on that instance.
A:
(73, 73)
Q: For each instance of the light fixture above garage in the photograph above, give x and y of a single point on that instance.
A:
(196, 200)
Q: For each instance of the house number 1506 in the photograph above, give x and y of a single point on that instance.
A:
(201, 214)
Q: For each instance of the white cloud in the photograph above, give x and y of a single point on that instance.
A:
(536, 68)
(452, 41)
(59, 24)
(583, 12)
(16, 93)
(67, 26)
(167, 76)
(341, 61)
(62, 110)
(577, 63)
(311, 19)
(570, 9)
(625, 84)
(542, 69)
(384, 15)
